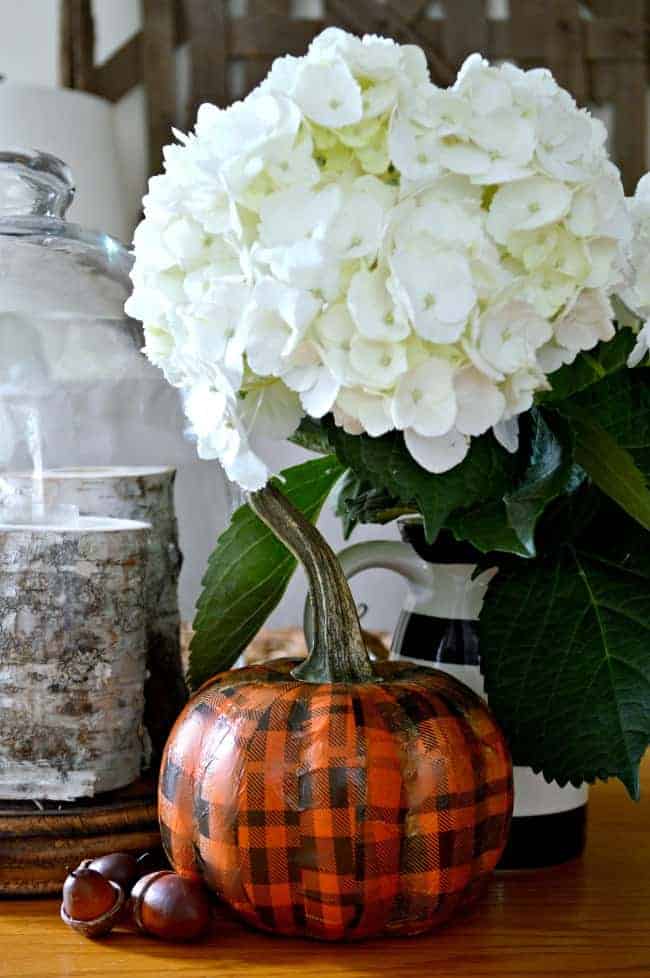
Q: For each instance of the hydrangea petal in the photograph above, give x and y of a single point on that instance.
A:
(371, 411)
(328, 94)
(525, 205)
(372, 308)
(437, 288)
(437, 455)
(480, 402)
(511, 334)
(507, 434)
(641, 347)
(425, 399)
(588, 321)
(269, 336)
(379, 364)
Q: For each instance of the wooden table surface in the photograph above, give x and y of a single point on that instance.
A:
(587, 918)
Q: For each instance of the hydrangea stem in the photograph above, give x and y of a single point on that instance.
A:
(338, 653)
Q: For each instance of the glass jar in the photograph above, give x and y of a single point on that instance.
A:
(71, 361)
(89, 429)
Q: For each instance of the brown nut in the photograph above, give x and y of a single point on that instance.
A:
(91, 904)
(169, 907)
(120, 867)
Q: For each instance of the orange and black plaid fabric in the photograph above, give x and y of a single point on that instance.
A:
(337, 811)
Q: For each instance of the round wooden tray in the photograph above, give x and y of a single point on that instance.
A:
(39, 844)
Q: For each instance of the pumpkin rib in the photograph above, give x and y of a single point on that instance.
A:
(288, 696)
(331, 772)
(483, 778)
(388, 883)
(468, 742)
(237, 892)
(410, 698)
(347, 767)
(413, 688)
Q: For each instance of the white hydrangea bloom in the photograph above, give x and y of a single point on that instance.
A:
(351, 239)
(526, 205)
(315, 381)
(520, 388)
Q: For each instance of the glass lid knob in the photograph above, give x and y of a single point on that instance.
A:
(34, 184)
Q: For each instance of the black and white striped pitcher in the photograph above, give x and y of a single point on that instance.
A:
(438, 627)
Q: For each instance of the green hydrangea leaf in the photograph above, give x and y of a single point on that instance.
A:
(347, 507)
(570, 516)
(249, 571)
(358, 502)
(611, 426)
(550, 472)
(313, 436)
(611, 467)
(487, 528)
(620, 404)
(615, 538)
(566, 656)
(486, 473)
(493, 525)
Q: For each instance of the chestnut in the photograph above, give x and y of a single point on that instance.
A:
(120, 867)
(91, 904)
(169, 907)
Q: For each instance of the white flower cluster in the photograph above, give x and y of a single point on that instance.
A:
(352, 239)
(636, 294)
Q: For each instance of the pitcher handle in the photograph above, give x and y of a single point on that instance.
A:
(390, 555)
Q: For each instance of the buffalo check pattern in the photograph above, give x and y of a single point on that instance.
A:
(337, 811)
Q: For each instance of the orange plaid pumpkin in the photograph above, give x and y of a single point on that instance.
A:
(334, 798)
(336, 811)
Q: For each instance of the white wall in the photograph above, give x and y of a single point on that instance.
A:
(28, 54)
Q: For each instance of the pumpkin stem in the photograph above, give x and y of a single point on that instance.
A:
(338, 653)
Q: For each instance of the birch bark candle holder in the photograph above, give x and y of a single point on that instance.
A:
(146, 494)
(73, 640)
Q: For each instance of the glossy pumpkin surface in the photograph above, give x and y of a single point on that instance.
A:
(337, 810)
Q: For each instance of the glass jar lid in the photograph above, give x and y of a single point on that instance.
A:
(49, 264)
